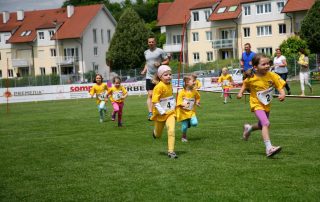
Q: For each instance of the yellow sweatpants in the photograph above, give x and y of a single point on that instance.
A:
(170, 124)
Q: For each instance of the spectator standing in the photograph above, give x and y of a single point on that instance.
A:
(280, 68)
(246, 60)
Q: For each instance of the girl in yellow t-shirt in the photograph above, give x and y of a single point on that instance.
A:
(226, 82)
(188, 98)
(198, 84)
(117, 95)
(261, 86)
(100, 89)
(164, 108)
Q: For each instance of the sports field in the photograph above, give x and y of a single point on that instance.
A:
(58, 151)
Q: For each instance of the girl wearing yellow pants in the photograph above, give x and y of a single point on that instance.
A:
(164, 108)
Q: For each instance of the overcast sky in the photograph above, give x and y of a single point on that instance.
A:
(27, 5)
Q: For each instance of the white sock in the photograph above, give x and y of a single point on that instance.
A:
(268, 144)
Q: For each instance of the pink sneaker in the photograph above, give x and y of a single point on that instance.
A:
(246, 131)
(274, 150)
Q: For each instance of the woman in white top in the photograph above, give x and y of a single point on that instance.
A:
(304, 71)
(280, 67)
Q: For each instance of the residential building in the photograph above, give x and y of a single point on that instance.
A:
(232, 23)
(67, 41)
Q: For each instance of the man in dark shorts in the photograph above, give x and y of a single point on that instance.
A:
(154, 58)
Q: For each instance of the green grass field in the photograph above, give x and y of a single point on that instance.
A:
(58, 151)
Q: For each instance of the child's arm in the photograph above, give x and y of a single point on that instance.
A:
(282, 95)
(159, 108)
(144, 69)
(240, 94)
(198, 99)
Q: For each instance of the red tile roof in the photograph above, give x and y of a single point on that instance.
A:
(226, 15)
(72, 27)
(178, 12)
(297, 5)
(162, 9)
(204, 4)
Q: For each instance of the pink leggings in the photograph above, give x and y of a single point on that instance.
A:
(263, 118)
(226, 92)
(117, 108)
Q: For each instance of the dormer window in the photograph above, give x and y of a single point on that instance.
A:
(232, 8)
(28, 33)
(196, 16)
(221, 10)
(23, 33)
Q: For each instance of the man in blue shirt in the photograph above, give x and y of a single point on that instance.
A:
(246, 59)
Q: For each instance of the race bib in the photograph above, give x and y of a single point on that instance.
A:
(117, 95)
(265, 96)
(189, 103)
(102, 96)
(226, 83)
(168, 103)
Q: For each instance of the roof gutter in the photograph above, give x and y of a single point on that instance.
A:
(291, 19)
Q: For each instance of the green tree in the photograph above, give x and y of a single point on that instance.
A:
(129, 42)
(292, 45)
(310, 28)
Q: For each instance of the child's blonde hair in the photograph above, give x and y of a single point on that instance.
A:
(188, 78)
(114, 79)
(225, 69)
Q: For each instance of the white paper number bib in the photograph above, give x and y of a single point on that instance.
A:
(102, 96)
(117, 95)
(265, 96)
(168, 103)
(189, 103)
(226, 83)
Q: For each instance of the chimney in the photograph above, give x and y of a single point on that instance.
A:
(5, 16)
(20, 15)
(70, 10)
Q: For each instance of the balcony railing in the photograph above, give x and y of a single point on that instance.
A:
(20, 63)
(67, 60)
(170, 48)
(224, 43)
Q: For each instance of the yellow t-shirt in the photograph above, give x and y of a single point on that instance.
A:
(198, 85)
(163, 94)
(190, 97)
(100, 91)
(117, 93)
(225, 80)
(259, 84)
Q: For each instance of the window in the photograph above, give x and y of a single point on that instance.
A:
(232, 8)
(42, 71)
(246, 31)
(23, 33)
(264, 8)
(195, 16)
(109, 35)
(247, 10)
(96, 67)
(51, 33)
(282, 28)
(41, 35)
(209, 36)
(177, 39)
(196, 57)
(53, 52)
(195, 36)
(95, 51)
(264, 30)
(280, 6)
(0, 73)
(267, 50)
(28, 33)
(210, 56)
(207, 13)
(102, 39)
(0, 55)
(224, 34)
(10, 73)
(221, 10)
(54, 70)
(94, 32)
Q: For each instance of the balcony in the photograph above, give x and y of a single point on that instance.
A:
(171, 48)
(224, 43)
(67, 60)
(20, 63)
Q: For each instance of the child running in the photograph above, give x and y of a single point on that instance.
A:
(164, 108)
(198, 84)
(117, 95)
(226, 83)
(188, 98)
(261, 86)
(100, 89)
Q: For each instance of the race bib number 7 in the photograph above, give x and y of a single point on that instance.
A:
(102, 96)
(168, 103)
(265, 96)
(189, 103)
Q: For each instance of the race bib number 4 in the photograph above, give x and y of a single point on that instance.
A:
(102, 96)
(168, 103)
(117, 95)
(265, 96)
(189, 103)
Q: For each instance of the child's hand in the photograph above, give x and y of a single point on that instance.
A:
(198, 104)
(239, 96)
(282, 97)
